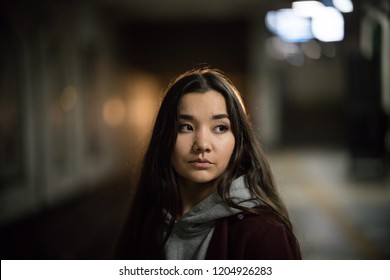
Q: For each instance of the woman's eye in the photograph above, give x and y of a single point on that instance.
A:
(185, 127)
(221, 128)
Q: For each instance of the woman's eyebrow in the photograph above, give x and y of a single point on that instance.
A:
(214, 117)
(220, 116)
(186, 117)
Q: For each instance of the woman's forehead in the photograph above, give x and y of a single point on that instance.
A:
(198, 103)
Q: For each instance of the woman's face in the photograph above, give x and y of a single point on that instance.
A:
(205, 141)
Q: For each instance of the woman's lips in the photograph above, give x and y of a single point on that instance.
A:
(201, 163)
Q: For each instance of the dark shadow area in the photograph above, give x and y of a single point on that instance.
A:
(87, 227)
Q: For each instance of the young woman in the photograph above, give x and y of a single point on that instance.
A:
(206, 190)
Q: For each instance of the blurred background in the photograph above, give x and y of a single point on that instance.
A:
(81, 81)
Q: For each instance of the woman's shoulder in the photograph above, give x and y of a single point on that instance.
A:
(253, 236)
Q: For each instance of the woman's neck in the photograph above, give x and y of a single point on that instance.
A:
(193, 193)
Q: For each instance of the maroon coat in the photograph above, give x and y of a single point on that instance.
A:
(252, 237)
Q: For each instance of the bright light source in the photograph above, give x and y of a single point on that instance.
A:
(307, 8)
(271, 21)
(307, 20)
(328, 26)
(344, 6)
(288, 26)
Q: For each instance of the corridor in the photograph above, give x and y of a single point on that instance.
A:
(81, 83)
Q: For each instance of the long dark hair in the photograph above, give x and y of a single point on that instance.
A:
(146, 232)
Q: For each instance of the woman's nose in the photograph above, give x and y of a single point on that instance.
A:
(202, 142)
